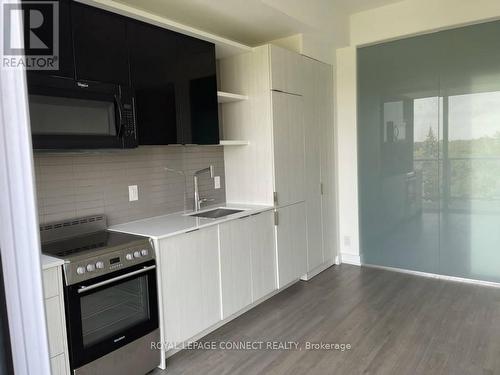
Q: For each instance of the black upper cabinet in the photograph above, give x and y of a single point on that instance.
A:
(100, 45)
(173, 75)
(153, 73)
(175, 86)
(66, 63)
(197, 83)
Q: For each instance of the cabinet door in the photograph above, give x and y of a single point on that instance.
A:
(66, 59)
(55, 321)
(286, 70)
(263, 254)
(197, 91)
(313, 118)
(100, 43)
(153, 72)
(190, 283)
(288, 143)
(235, 260)
(58, 365)
(291, 242)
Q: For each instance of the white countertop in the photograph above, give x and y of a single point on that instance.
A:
(49, 262)
(164, 226)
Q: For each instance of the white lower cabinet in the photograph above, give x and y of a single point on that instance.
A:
(190, 283)
(210, 274)
(235, 265)
(55, 327)
(56, 320)
(263, 254)
(58, 365)
(248, 266)
(291, 242)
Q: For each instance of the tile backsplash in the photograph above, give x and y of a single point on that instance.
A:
(72, 185)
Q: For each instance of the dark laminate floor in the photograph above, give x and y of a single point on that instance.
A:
(395, 323)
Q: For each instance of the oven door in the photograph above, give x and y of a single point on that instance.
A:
(108, 312)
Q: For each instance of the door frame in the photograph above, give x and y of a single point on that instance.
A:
(19, 232)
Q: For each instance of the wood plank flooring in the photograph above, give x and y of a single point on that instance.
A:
(395, 323)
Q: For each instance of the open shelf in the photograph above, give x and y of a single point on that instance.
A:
(227, 97)
(233, 143)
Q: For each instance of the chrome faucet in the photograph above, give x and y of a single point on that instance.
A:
(197, 200)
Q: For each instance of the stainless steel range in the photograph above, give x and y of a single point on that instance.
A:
(110, 296)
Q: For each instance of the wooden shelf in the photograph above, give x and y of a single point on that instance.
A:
(234, 143)
(227, 97)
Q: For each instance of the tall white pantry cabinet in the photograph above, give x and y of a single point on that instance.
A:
(289, 160)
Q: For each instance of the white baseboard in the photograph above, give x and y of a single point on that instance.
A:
(349, 258)
(308, 276)
(436, 276)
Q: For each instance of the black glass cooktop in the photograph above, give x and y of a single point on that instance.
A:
(87, 242)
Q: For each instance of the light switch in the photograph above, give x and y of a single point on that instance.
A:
(133, 193)
(217, 182)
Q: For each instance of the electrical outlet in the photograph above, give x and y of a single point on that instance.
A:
(133, 193)
(217, 182)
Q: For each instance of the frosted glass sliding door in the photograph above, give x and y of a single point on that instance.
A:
(429, 152)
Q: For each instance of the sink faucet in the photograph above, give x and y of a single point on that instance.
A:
(197, 200)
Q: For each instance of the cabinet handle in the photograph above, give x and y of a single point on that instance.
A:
(192, 230)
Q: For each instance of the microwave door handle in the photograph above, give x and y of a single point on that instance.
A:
(83, 289)
(120, 116)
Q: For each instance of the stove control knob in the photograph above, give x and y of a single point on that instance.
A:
(80, 270)
(90, 267)
(129, 256)
(137, 254)
(99, 265)
(144, 252)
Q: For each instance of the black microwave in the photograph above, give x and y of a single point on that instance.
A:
(67, 114)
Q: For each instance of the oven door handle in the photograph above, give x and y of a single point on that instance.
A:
(83, 289)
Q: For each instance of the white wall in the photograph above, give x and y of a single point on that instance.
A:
(347, 154)
(402, 19)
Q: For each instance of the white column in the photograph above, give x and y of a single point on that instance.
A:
(347, 157)
(19, 233)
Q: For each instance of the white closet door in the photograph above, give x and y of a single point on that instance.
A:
(286, 70)
(288, 141)
(328, 198)
(313, 115)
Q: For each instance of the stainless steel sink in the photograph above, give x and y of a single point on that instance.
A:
(216, 213)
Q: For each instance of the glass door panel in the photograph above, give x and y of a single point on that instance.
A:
(470, 215)
(398, 146)
(429, 152)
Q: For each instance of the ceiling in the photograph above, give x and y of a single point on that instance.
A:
(254, 22)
